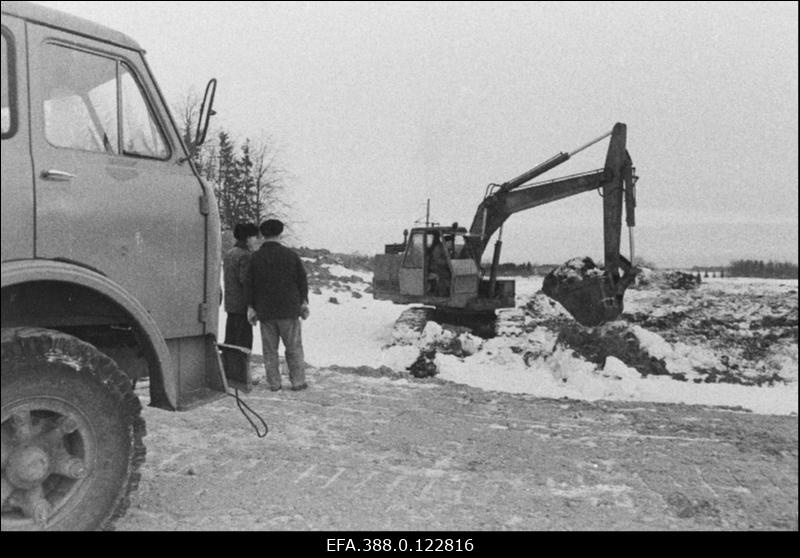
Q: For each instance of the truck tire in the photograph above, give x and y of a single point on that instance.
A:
(71, 433)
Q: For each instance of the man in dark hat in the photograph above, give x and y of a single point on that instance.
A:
(238, 329)
(235, 266)
(277, 295)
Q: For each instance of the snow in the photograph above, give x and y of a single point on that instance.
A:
(679, 357)
(340, 271)
(359, 331)
(561, 375)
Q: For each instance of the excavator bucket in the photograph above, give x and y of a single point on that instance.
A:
(588, 292)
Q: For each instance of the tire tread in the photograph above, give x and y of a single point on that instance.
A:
(29, 342)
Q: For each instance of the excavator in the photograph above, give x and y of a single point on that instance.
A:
(440, 267)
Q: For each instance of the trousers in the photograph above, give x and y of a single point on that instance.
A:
(238, 331)
(290, 332)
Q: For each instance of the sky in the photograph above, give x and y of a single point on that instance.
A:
(377, 107)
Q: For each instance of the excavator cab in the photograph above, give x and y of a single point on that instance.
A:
(437, 266)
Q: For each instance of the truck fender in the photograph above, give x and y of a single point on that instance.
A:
(25, 271)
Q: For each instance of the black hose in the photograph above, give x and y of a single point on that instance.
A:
(242, 406)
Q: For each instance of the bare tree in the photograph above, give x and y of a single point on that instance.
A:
(269, 179)
(187, 112)
(249, 180)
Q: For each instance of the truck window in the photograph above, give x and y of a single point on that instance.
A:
(140, 133)
(80, 100)
(415, 255)
(94, 103)
(8, 109)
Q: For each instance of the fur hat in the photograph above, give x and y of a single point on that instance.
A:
(243, 231)
(271, 227)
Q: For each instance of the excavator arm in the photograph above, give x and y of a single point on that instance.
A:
(495, 209)
(615, 182)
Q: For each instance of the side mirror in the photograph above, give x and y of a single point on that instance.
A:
(206, 112)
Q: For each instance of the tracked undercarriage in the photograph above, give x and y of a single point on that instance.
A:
(412, 321)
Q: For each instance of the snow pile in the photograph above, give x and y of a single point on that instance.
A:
(547, 370)
(341, 272)
(338, 271)
(540, 308)
(448, 340)
(680, 359)
(576, 270)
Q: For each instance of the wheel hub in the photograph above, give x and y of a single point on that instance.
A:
(27, 467)
(40, 468)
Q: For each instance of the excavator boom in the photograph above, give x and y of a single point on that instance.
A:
(495, 209)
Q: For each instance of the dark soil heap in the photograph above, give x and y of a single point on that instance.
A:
(595, 346)
(681, 280)
(424, 366)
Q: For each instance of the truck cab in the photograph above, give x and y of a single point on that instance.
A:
(110, 267)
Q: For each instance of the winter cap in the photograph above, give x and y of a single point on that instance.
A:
(271, 227)
(243, 231)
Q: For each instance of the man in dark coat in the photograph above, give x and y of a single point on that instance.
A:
(438, 268)
(277, 296)
(235, 265)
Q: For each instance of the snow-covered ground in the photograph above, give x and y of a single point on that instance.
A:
(707, 342)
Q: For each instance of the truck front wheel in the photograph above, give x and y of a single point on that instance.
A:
(71, 433)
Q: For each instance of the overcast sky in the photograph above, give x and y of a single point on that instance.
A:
(377, 107)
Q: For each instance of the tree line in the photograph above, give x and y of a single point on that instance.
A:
(760, 268)
(248, 180)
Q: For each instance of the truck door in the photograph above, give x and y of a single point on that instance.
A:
(111, 190)
(466, 274)
(17, 178)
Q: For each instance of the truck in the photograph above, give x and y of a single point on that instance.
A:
(441, 268)
(110, 268)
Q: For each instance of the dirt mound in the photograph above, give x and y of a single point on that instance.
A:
(409, 326)
(657, 279)
(339, 272)
(356, 262)
(542, 310)
(682, 280)
(751, 333)
(596, 345)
